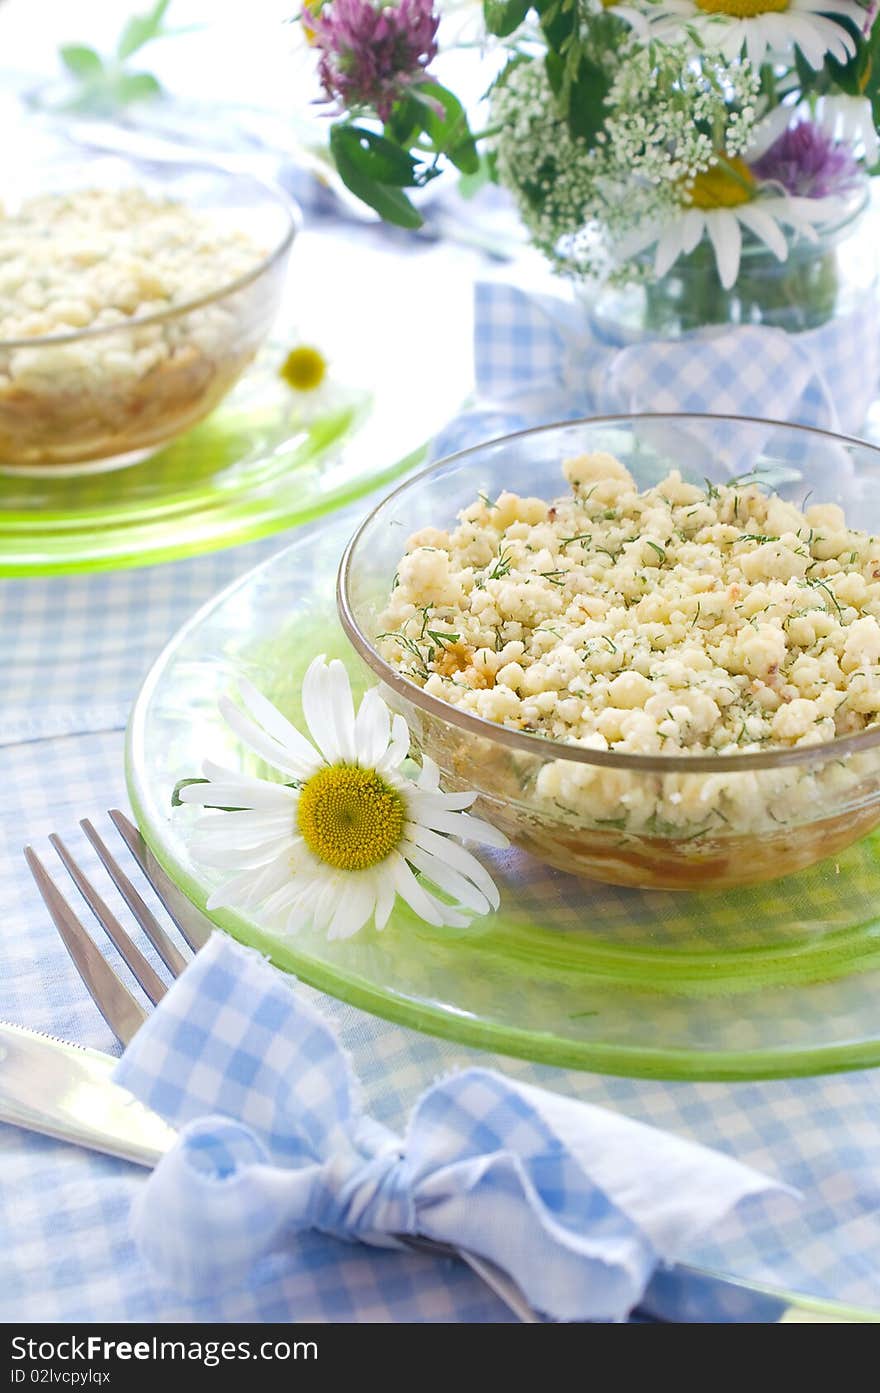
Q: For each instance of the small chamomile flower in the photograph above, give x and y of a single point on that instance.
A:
(304, 369)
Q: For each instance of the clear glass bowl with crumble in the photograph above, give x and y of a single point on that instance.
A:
(652, 644)
(133, 294)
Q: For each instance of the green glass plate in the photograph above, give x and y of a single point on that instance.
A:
(269, 458)
(779, 980)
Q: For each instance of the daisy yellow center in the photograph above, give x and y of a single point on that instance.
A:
(304, 369)
(349, 817)
(742, 9)
(722, 186)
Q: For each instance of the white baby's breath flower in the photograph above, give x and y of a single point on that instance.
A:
(580, 203)
(349, 831)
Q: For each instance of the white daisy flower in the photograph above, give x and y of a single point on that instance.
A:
(335, 845)
(726, 199)
(765, 28)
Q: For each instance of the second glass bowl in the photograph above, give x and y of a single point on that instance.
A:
(598, 814)
(98, 398)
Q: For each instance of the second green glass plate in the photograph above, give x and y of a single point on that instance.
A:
(268, 458)
(779, 980)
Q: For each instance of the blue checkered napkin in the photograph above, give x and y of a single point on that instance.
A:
(542, 358)
(579, 1205)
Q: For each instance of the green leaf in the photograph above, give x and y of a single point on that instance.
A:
(808, 79)
(448, 128)
(869, 85)
(405, 122)
(82, 61)
(374, 155)
(848, 76)
(136, 87)
(587, 109)
(375, 169)
(558, 23)
(176, 800)
(581, 94)
(503, 16)
(140, 29)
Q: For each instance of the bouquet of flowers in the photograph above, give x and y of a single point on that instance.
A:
(634, 137)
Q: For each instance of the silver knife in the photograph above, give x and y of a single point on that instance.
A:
(67, 1092)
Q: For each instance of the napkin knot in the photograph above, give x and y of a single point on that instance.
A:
(363, 1189)
(579, 1205)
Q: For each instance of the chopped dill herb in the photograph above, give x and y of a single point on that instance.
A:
(502, 565)
(823, 585)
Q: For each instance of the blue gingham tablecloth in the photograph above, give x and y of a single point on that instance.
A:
(73, 651)
(63, 1213)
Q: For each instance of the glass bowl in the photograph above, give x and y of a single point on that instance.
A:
(98, 398)
(685, 822)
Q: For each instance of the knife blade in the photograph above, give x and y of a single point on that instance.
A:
(67, 1092)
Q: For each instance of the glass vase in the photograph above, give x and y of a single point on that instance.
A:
(819, 281)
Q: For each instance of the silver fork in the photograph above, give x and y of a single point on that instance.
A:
(124, 1014)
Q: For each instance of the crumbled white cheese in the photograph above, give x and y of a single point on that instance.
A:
(675, 620)
(96, 257)
(107, 259)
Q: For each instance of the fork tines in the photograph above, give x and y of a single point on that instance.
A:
(122, 1012)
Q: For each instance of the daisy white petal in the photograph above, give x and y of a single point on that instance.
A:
(316, 709)
(425, 804)
(429, 775)
(765, 228)
(243, 890)
(205, 850)
(670, 246)
(254, 795)
(449, 853)
(724, 233)
(372, 728)
(245, 833)
(338, 691)
(275, 724)
(768, 131)
(409, 889)
(459, 887)
(329, 894)
(469, 829)
(850, 119)
(693, 225)
(384, 900)
(398, 745)
(356, 907)
(250, 734)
